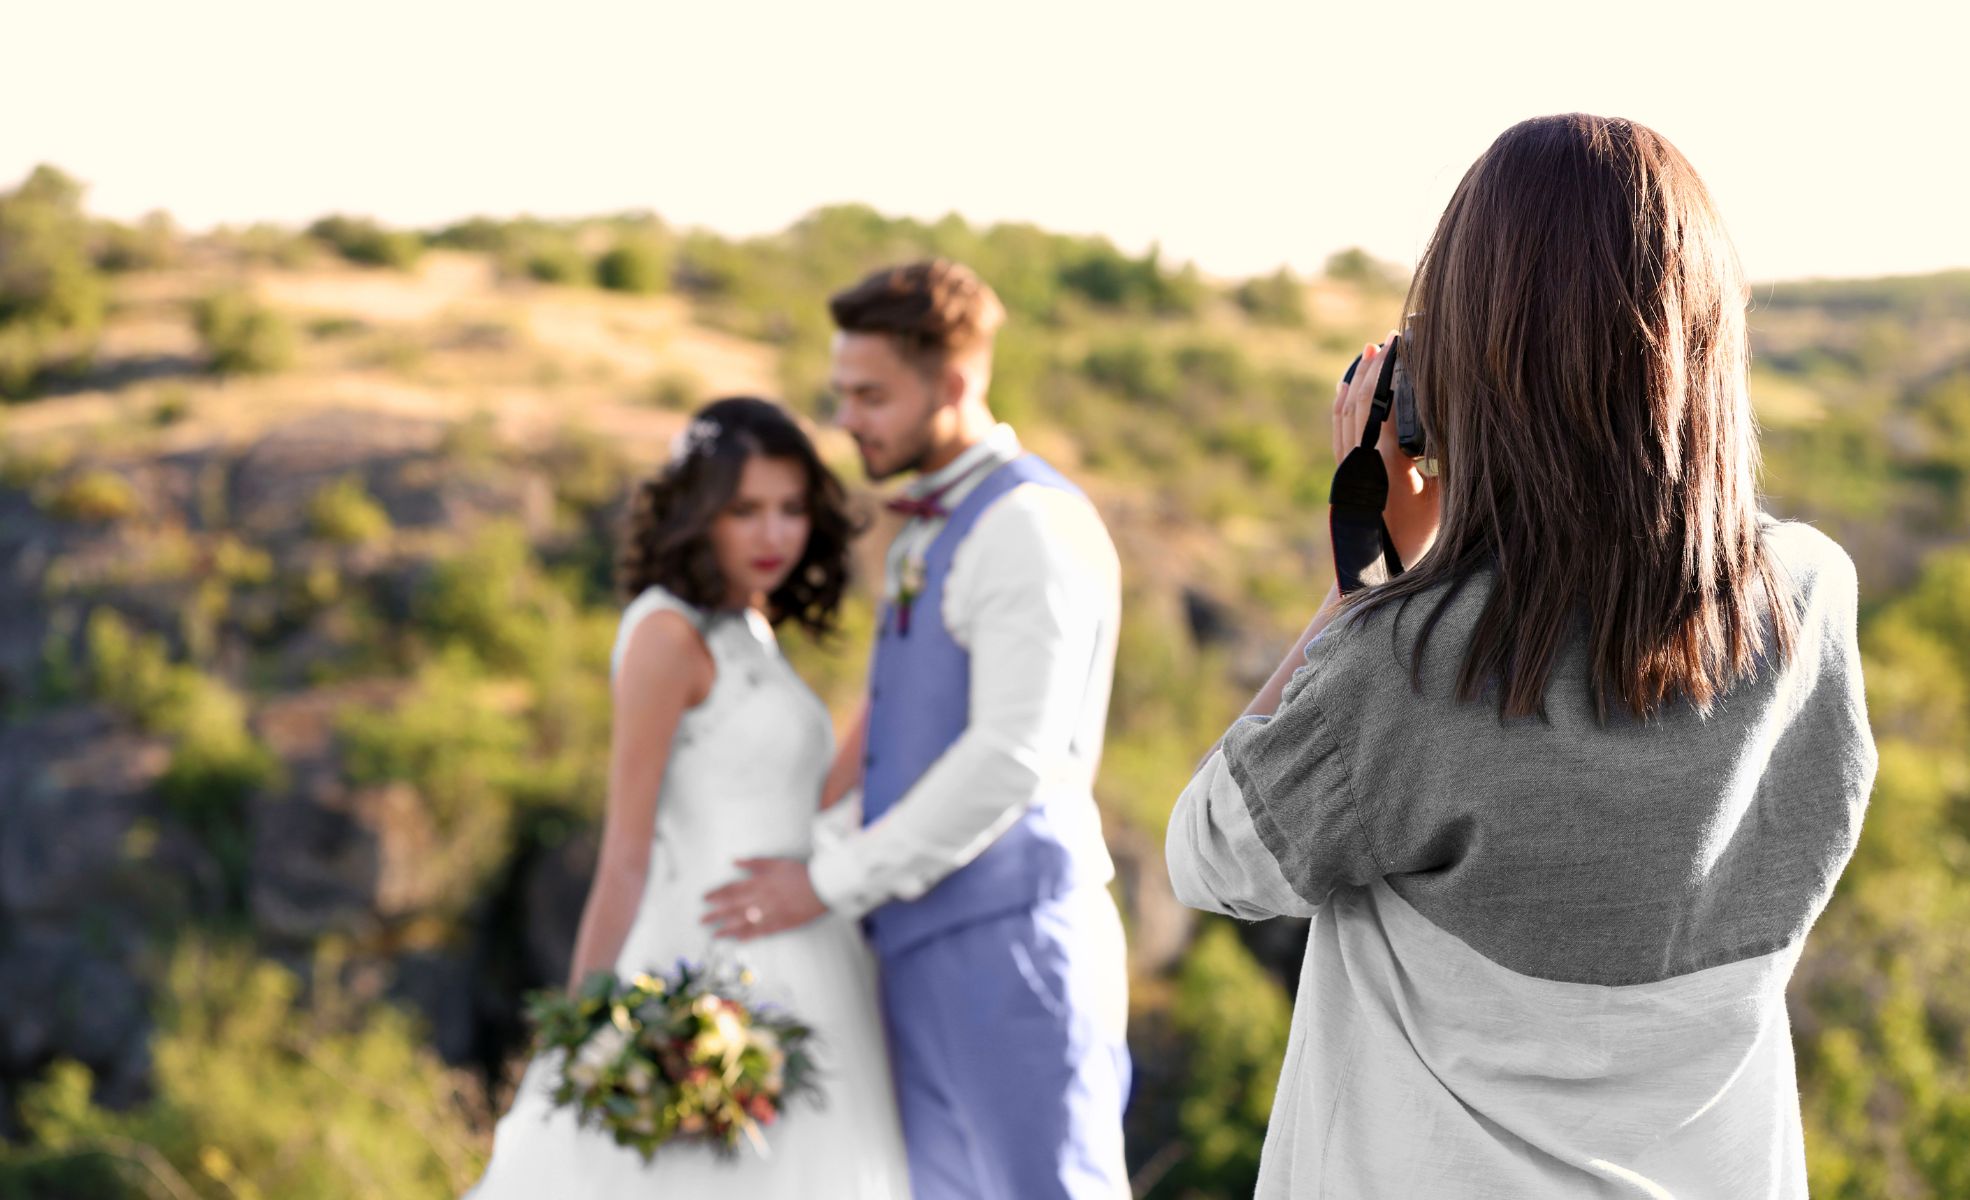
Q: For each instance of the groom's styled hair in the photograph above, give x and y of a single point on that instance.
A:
(931, 311)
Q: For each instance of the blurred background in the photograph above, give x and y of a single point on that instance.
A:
(310, 472)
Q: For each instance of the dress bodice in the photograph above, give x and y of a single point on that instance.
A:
(743, 780)
(745, 770)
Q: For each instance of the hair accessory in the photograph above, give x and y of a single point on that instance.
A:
(694, 438)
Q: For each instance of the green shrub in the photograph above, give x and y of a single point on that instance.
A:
(1357, 266)
(362, 240)
(473, 441)
(52, 297)
(216, 768)
(149, 245)
(337, 327)
(45, 272)
(589, 471)
(23, 466)
(95, 496)
(485, 235)
(257, 1093)
(1261, 450)
(1275, 299)
(216, 763)
(1235, 1019)
(678, 389)
(171, 406)
(1020, 363)
(1171, 701)
(564, 774)
(345, 513)
(242, 336)
(1105, 276)
(1135, 367)
(635, 264)
(131, 672)
(22, 352)
(487, 598)
(463, 750)
(556, 259)
(1883, 986)
(1220, 368)
(711, 267)
(274, 244)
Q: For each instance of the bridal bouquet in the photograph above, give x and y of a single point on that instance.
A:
(685, 1056)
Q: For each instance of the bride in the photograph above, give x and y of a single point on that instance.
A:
(718, 754)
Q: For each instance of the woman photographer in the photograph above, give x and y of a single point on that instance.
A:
(1565, 797)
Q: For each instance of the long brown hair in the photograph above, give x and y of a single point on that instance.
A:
(667, 540)
(1578, 350)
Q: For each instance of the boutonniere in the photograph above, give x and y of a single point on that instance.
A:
(908, 587)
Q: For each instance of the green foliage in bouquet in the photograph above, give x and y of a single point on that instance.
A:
(687, 1056)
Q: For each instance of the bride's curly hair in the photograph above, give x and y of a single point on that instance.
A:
(666, 541)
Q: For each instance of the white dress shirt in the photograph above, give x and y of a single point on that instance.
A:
(1034, 595)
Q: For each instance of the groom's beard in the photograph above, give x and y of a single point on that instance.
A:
(914, 465)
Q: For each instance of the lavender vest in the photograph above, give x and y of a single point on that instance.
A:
(919, 704)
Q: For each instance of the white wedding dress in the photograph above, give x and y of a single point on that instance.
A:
(743, 780)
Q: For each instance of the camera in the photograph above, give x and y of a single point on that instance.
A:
(1394, 392)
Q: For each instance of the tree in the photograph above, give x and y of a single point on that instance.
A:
(51, 295)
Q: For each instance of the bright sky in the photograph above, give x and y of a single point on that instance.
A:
(1237, 133)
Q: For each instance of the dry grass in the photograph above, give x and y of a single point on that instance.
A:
(435, 346)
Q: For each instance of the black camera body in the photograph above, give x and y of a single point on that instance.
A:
(1396, 395)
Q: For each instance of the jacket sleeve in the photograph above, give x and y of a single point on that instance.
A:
(1269, 825)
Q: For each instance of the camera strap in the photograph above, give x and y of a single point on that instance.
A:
(1364, 553)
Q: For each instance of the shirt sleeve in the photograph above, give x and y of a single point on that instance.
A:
(1269, 825)
(839, 823)
(1033, 595)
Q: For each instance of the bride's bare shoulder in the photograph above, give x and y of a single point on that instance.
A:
(665, 657)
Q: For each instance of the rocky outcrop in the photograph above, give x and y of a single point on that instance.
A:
(552, 893)
(95, 868)
(328, 857)
(84, 839)
(92, 870)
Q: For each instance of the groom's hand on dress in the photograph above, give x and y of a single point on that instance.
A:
(776, 895)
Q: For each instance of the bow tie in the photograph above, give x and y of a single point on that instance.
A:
(930, 506)
(926, 509)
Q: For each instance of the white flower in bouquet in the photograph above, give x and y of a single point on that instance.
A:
(727, 1036)
(596, 1055)
(623, 1071)
(638, 1077)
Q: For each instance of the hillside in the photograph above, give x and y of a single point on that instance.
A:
(305, 539)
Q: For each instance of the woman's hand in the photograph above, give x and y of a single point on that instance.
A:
(1413, 511)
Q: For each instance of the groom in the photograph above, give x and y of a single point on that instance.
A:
(977, 865)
